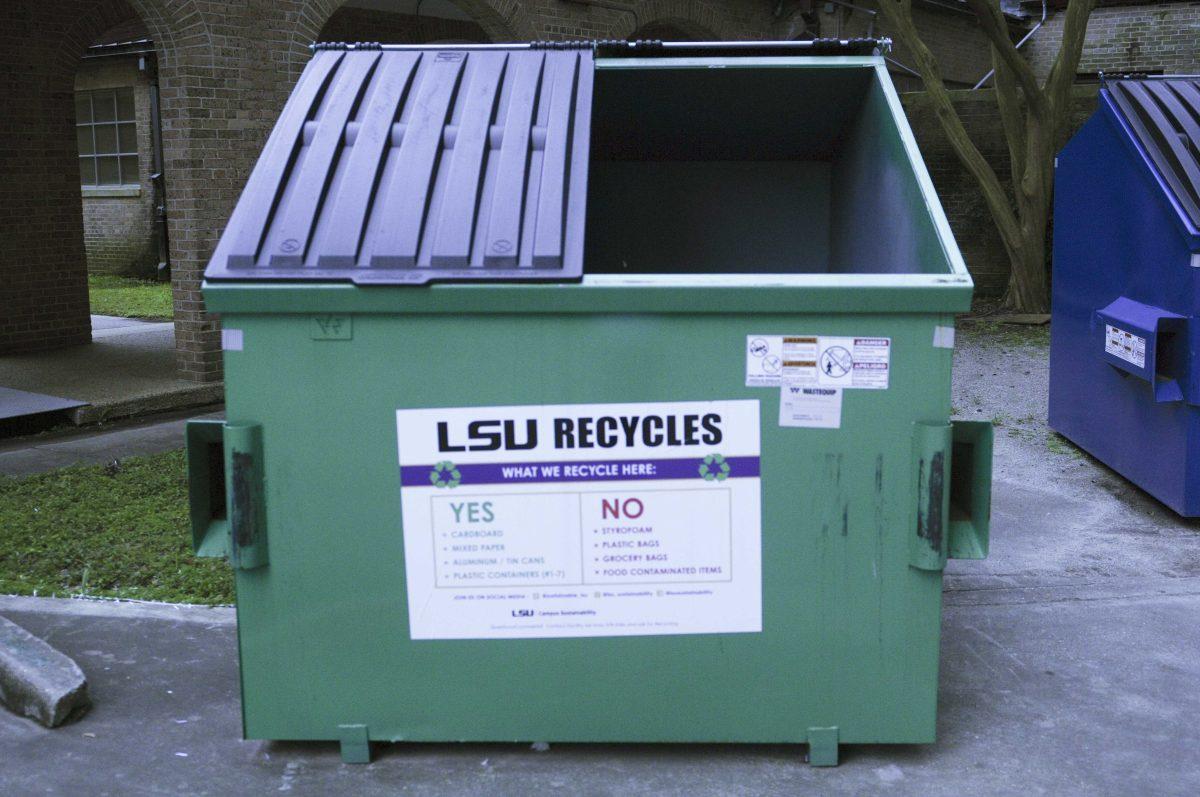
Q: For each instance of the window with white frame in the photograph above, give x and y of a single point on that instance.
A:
(106, 126)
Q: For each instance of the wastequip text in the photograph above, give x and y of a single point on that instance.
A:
(606, 431)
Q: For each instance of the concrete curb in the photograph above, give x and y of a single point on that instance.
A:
(138, 326)
(36, 680)
(91, 607)
(197, 396)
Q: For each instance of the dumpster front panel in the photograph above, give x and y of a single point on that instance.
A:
(849, 629)
(1123, 385)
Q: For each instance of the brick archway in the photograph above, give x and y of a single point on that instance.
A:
(43, 272)
(187, 72)
(671, 29)
(501, 21)
(688, 20)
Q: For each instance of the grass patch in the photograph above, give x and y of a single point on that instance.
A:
(129, 298)
(108, 531)
(1057, 444)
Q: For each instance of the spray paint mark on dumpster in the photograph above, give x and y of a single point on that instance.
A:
(930, 522)
(243, 499)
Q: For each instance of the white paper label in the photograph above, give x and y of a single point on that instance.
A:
(812, 407)
(231, 340)
(943, 337)
(861, 363)
(1129, 347)
(582, 520)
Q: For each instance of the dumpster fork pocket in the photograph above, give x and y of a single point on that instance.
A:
(225, 496)
(953, 465)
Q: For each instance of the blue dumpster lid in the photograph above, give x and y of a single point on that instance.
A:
(1164, 115)
(402, 166)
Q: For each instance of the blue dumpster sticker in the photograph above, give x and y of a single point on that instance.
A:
(1124, 344)
(581, 519)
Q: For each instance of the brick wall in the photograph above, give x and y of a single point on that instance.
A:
(1125, 38)
(969, 217)
(954, 37)
(43, 288)
(118, 231)
(366, 24)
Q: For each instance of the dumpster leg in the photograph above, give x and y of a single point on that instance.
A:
(823, 747)
(356, 747)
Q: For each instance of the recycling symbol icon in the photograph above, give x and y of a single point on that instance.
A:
(445, 474)
(714, 468)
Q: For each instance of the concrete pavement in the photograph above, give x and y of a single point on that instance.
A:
(40, 453)
(128, 369)
(1083, 692)
(1069, 667)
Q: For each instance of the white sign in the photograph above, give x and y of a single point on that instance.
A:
(581, 519)
(862, 363)
(1127, 346)
(811, 407)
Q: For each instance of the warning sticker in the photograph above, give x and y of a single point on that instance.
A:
(854, 363)
(764, 360)
(800, 359)
(1129, 347)
(817, 360)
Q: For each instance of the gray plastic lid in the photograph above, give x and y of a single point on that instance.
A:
(405, 166)
(1165, 117)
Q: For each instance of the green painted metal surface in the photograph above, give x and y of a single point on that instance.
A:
(856, 525)
(851, 630)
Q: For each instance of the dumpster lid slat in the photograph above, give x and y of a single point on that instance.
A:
(1165, 117)
(406, 166)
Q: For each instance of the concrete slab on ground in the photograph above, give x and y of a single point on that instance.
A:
(127, 369)
(21, 403)
(41, 453)
(1064, 697)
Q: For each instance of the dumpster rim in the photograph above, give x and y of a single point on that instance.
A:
(608, 294)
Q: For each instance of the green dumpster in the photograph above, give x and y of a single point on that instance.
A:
(590, 393)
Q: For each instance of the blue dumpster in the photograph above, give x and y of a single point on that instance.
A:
(1124, 380)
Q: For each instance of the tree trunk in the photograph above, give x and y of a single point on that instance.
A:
(1027, 285)
(1034, 116)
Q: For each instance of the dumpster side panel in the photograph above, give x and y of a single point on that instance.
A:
(874, 179)
(850, 630)
(1115, 236)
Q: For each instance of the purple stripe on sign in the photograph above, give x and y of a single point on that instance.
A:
(599, 470)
